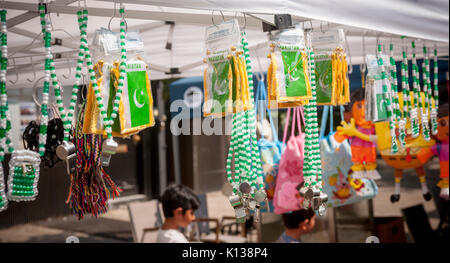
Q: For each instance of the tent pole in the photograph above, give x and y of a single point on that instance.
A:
(162, 147)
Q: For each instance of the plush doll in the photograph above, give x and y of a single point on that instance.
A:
(441, 149)
(362, 138)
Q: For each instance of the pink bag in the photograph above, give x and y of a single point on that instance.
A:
(290, 173)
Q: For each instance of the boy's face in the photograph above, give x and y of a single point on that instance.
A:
(183, 220)
(442, 129)
(308, 225)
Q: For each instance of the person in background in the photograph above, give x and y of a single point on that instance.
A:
(296, 224)
(179, 203)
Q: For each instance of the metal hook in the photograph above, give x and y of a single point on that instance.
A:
(70, 70)
(34, 93)
(114, 15)
(350, 71)
(245, 22)
(17, 73)
(321, 29)
(212, 18)
(34, 71)
(362, 67)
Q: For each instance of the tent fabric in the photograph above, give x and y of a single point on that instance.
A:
(422, 19)
(427, 19)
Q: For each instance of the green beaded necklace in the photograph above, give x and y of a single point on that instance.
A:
(24, 164)
(3, 106)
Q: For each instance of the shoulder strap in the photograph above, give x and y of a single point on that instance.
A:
(323, 123)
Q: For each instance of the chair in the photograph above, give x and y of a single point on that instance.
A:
(201, 230)
(145, 218)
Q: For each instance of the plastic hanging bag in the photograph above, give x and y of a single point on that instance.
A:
(271, 150)
(375, 105)
(332, 85)
(289, 82)
(106, 45)
(338, 183)
(225, 77)
(290, 173)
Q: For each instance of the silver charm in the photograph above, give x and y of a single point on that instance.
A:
(109, 147)
(245, 188)
(67, 152)
(319, 200)
(260, 195)
(239, 208)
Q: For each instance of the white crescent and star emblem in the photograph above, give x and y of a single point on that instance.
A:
(139, 105)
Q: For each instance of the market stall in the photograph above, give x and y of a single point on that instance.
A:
(106, 53)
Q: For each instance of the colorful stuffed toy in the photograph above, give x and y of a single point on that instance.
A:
(441, 149)
(362, 139)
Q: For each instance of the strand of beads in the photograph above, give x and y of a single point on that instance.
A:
(397, 112)
(405, 87)
(435, 95)
(54, 80)
(256, 158)
(233, 144)
(387, 98)
(3, 105)
(416, 87)
(3, 95)
(427, 94)
(44, 104)
(315, 154)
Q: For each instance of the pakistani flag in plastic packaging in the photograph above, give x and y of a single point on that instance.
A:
(135, 107)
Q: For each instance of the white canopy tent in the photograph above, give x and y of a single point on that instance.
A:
(426, 20)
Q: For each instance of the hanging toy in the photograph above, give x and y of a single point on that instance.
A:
(433, 115)
(413, 152)
(362, 138)
(90, 186)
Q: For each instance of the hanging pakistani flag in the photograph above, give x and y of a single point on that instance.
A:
(135, 108)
